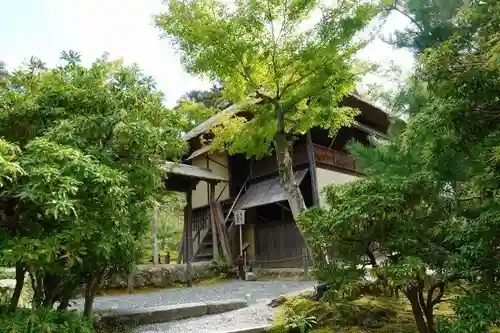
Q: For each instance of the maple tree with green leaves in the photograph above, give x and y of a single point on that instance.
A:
(81, 160)
(294, 58)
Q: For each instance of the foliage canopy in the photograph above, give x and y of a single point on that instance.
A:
(430, 199)
(296, 58)
(81, 158)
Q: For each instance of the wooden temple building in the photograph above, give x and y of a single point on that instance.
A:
(216, 184)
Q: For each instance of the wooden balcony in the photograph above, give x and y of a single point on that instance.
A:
(336, 159)
(267, 165)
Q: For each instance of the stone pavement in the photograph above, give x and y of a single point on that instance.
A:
(236, 289)
(257, 315)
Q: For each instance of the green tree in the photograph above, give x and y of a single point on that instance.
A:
(431, 23)
(297, 69)
(196, 106)
(209, 98)
(430, 199)
(3, 69)
(169, 227)
(384, 226)
(87, 147)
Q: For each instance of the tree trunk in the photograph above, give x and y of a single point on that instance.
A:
(51, 288)
(63, 305)
(36, 285)
(287, 176)
(87, 308)
(66, 294)
(412, 294)
(14, 301)
(154, 235)
(285, 167)
(285, 170)
(90, 291)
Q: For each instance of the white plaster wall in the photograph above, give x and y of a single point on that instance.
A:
(219, 167)
(326, 177)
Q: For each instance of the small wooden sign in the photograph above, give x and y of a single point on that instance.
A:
(239, 217)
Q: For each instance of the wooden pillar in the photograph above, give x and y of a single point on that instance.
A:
(188, 227)
(180, 250)
(312, 168)
(311, 157)
(211, 200)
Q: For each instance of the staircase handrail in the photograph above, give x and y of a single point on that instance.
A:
(236, 199)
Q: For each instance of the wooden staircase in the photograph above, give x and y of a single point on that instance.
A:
(203, 249)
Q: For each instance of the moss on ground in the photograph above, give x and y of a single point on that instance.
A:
(354, 317)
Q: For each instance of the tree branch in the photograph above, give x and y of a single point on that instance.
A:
(431, 302)
(372, 258)
(394, 7)
(273, 53)
(420, 293)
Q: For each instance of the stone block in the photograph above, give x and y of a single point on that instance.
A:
(249, 276)
(258, 329)
(160, 276)
(168, 313)
(225, 306)
(155, 315)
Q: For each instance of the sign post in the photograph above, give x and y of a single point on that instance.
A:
(239, 220)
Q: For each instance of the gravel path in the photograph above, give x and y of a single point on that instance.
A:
(237, 289)
(257, 315)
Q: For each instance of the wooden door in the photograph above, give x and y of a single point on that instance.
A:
(278, 244)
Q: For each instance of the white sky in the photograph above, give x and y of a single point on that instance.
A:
(124, 28)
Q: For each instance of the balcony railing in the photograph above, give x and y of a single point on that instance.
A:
(335, 158)
(267, 165)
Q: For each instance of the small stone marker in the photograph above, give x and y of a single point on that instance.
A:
(249, 276)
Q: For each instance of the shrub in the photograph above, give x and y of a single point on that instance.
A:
(44, 321)
(220, 265)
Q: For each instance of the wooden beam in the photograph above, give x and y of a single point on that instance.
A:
(370, 130)
(221, 228)
(180, 251)
(188, 186)
(311, 157)
(211, 199)
(312, 168)
(222, 165)
(283, 206)
(188, 224)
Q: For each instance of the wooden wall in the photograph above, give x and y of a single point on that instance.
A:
(278, 244)
(218, 164)
(278, 241)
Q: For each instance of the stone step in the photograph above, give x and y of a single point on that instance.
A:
(168, 313)
(203, 258)
(254, 329)
(252, 319)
